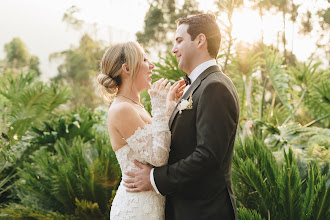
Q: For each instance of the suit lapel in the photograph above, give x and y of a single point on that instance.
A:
(192, 89)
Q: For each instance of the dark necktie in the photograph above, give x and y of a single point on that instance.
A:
(187, 80)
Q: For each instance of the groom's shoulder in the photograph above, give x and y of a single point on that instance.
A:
(223, 78)
(218, 80)
(217, 77)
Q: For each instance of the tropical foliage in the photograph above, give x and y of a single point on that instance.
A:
(24, 103)
(48, 158)
(56, 160)
(276, 190)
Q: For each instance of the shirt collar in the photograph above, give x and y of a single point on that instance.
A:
(200, 68)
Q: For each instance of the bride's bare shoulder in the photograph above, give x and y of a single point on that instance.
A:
(120, 111)
(123, 117)
(117, 108)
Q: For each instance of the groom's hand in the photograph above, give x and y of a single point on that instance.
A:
(139, 181)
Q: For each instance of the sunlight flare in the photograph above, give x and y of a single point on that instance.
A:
(247, 25)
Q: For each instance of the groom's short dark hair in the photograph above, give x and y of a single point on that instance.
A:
(206, 24)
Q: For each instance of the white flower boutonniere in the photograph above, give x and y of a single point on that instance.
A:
(185, 104)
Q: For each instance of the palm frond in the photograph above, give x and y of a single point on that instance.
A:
(168, 68)
(312, 180)
(276, 115)
(74, 160)
(11, 85)
(33, 104)
(280, 80)
(246, 214)
(290, 196)
(256, 176)
(321, 201)
(4, 186)
(18, 211)
(241, 71)
(318, 100)
(273, 190)
(56, 179)
(315, 82)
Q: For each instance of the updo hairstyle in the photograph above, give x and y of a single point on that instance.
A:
(110, 75)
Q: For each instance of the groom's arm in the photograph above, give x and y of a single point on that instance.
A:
(152, 181)
(216, 123)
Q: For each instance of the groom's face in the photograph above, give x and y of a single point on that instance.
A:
(184, 49)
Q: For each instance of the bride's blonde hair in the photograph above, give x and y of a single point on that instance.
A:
(110, 75)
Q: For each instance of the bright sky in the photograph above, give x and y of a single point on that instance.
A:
(39, 24)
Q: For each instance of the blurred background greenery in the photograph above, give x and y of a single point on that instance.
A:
(56, 160)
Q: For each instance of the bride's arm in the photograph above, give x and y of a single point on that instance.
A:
(152, 142)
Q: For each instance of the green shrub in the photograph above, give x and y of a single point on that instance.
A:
(19, 212)
(277, 191)
(71, 170)
(54, 180)
(24, 102)
(245, 214)
(88, 210)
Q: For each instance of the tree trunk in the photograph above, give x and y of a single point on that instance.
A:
(262, 23)
(283, 38)
(229, 48)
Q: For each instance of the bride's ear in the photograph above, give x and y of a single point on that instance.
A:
(125, 69)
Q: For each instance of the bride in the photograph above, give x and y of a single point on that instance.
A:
(125, 72)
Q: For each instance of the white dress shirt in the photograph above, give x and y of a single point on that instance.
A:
(193, 76)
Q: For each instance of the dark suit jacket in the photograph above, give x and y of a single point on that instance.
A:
(197, 180)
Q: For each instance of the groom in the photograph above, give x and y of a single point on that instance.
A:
(197, 180)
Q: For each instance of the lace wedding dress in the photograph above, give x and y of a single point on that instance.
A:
(149, 145)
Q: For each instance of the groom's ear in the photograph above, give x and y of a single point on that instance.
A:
(201, 40)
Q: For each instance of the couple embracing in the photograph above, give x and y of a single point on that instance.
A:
(176, 163)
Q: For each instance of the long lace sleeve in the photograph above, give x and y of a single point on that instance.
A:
(152, 142)
(170, 106)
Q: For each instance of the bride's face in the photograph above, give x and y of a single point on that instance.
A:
(143, 76)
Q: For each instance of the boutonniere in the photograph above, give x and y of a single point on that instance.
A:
(185, 104)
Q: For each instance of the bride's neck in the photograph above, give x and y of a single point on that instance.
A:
(129, 92)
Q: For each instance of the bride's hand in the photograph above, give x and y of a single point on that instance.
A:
(176, 91)
(160, 86)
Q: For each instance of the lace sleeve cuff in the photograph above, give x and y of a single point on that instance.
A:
(170, 106)
(158, 104)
